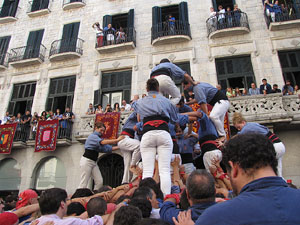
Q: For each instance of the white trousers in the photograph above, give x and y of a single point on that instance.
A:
(127, 147)
(89, 169)
(160, 142)
(217, 116)
(167, 86)
(280, 150)
(210, 156)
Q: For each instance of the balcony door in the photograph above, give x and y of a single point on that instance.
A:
(9, 8)
(4, 41)
(69, 37)
(33, 44)
(39, 4)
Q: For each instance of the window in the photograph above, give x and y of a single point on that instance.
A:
(10, 174)
(4, 42)
(39, 5)
(290, 64)
(9, 8)
(224, 3)
(33, 44)
(69, 37)
(235, 72)
(22, 98)
(185, 66)
(115, 87)
(61, 93)
(50, 173)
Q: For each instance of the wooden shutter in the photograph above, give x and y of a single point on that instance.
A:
(33, 44)
(130, 24)
(13, 7)
(44, 4)
(4, 41)
(97, 97)
(107, 19)
(215, 5)
(183, 12)
(69, 37)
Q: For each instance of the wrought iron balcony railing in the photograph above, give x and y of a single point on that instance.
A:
(65, 2)
(34, 6)
(116, 37)
(67, 45)
(227, 20)
(27, 52)
(170, 29)
(285, 14)
(4, 58)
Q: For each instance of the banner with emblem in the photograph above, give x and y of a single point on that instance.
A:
(111, 122)
(46, 135)
(196, 124)
(7, 133)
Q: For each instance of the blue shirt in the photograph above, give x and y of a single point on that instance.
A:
(156, 105)
(182, 120)
(131, 121)
(255, 91)
(254, 128)
(185, 108)
(290, 88)
(172, 129)
(186, 145)
(267, 200)
(204, 92)
(169, 210)
(93, 142)
(175, 71)
(207, 127)
(276, 8)
(173, 21)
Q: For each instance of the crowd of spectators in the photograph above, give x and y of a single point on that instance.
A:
(264, 89)
(225, 193)
(278, 13)
(27, 123)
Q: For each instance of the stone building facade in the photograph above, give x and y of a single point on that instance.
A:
(252, 49)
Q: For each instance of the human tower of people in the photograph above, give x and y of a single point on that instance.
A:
(160, 183)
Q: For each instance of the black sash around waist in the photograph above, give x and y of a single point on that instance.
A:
(91, 154)
(161, 71)
(175, 145)
(155, 123)
(128, 131)
(273, 137)
(206, 144)
(218, 96)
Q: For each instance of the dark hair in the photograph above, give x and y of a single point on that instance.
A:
(151, 221)
(104, 188)
(122, 198)
(251, 152)
(142, 193)
(184, 203)
(150, 182)
(96, 206)
(201, 186)
(165, 59)
(144, 205)
(152, 84)
(82, 192)
(75, 207)
(116, 105)
(264, 79)
(127, 215)
(51, 199)
(99, 125)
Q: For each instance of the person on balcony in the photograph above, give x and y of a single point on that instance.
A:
(110, 34)
(164, 73)
(287, 89)
(6, 118)
(229, 17)
(171, 24)
(230, 93)
(221, 17)
(275, 89)
(254, 90)
(296, 90)
(90, 110)
(207, 94)
(213, 18)
(116, 107)
(66, 124)
(245, 127)
(121, 36)
(265, 87)
(26, 121)
(126, 106)
(236, 15)
(99, 34)
(99, 109)
(274, 10)
(88, 162)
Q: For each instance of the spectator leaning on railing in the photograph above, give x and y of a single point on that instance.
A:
(254, 90)
(265, 87)
(287, 89)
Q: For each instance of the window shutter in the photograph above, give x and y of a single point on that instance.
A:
(126, 95)
(97, 97)
(69, 37)
(36, 5)
(215, 5)
(33, 44)
(4, 41)
(11, 107)
(107, 19)
(130, 24)
(14, 7)
(183, 12)
(44, 4)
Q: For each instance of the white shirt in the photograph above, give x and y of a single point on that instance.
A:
(221, 14)
(95, 220)
(127, 107)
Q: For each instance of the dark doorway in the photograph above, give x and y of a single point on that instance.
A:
(290, 64)
(119, 20)
(166, 11)
(224, 3)
(112, 169)
(20, 107)
(60, 103)
(236, 82)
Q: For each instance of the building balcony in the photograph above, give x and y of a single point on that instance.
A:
(116, 41)
(4, 61)
(286, 19)
(8, 14)
(272, 108)
(165, 33)
(65, 49)
(73, 4)
(85, 125)
(38, 8)
(27, 56)
(227, 24)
